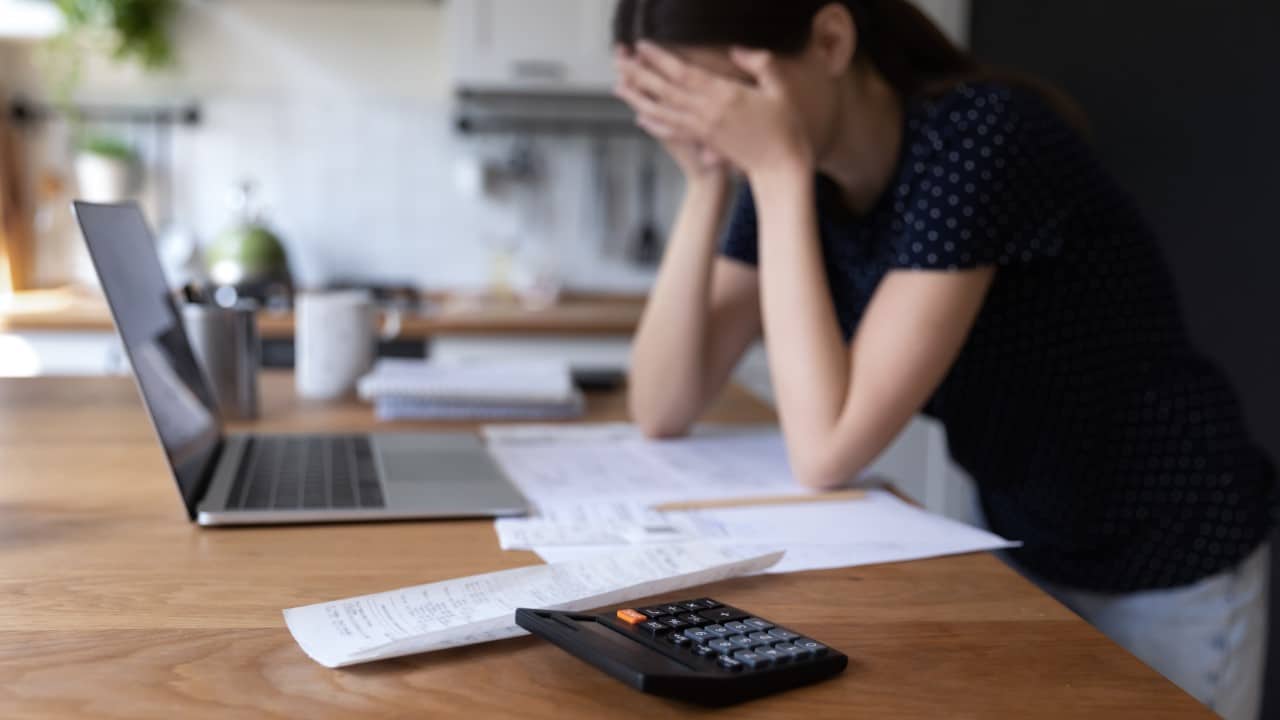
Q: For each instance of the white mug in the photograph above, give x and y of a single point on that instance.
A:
(335, 341)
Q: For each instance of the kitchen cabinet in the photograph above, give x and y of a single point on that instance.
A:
(953, 16)
(532, 47)
(550, 47)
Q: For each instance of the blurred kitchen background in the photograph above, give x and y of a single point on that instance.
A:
(387, 141)
(463, 158)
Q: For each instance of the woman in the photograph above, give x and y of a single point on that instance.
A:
(919, 234)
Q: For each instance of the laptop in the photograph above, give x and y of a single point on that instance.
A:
(260, 479)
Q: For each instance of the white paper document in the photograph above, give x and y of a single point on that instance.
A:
(573, 465)
(482, 607)
(817, 535)
(616, 523)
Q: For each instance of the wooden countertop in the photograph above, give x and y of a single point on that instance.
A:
(113, 606)
(54, 311)
(576, 315)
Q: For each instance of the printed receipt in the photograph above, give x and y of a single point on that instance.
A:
(481, 608)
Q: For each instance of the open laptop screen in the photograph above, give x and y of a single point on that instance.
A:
(146, 315)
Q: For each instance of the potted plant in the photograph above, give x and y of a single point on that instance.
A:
(107, 169)
(126, 30)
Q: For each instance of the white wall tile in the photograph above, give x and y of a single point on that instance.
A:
(341, 115)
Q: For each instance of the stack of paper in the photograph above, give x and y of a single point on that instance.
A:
(599, 487)
(482, 608)
(416, 390)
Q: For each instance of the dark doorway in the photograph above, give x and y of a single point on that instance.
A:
(1184, 100)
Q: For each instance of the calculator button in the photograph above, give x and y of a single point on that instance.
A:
(772, 654)
(698, 635)
(740, 641)
(795, 651)
(783, 634)
(717, 630)
(693, 605)
(632, 617)
(654, 627)
(729, 663)
(812, 646)
(737, 627)
(762, 637)
(721, 645)
(708, 603)
(724, 614)
(758, 624)
(750, 659)
(704, 651)
(678, 639)
(693, 619)
(673, 609)
(673, 622)
(654, 612)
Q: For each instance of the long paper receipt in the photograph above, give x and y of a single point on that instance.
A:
(482, 607)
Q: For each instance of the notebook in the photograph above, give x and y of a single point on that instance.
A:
(491, 389)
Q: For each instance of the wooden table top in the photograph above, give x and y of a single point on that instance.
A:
(113, 606)
(575, 315)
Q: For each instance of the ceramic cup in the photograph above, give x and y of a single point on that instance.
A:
(335, 342)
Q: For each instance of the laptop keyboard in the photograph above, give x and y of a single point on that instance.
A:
(307, 473)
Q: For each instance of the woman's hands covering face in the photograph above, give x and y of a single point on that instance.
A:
(706, 117)
(696, 160)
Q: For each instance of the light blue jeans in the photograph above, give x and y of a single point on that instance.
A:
(1209, 638)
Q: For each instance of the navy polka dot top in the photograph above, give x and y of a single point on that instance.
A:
(1096, 434)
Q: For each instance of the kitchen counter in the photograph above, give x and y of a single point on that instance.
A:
(116, 606)
(54, 311)
(575, 315)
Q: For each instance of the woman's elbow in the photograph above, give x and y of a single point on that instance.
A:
(658, 423)
(663, 431)
(814, 472)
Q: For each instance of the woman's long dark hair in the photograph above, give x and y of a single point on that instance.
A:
(914, 55)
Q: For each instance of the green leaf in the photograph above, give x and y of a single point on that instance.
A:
(107, 146)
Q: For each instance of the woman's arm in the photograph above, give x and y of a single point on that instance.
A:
(701, 316)
(703, 311)
(842, 405)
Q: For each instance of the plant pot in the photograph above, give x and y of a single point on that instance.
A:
(104, 179)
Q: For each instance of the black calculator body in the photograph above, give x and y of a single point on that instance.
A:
(699, 651)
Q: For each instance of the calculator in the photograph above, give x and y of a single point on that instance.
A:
(700, 651)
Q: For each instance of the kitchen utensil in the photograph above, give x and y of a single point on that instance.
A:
(249, 257)
(227, 348)
(647, 249)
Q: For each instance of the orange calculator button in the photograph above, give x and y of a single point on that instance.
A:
(632, 617)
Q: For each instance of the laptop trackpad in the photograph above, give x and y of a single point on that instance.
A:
(444, 473)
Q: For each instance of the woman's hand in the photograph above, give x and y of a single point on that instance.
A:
(696, 161)
(755, 126)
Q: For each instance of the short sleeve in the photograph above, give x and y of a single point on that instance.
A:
(981, 184)
(742, 233)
